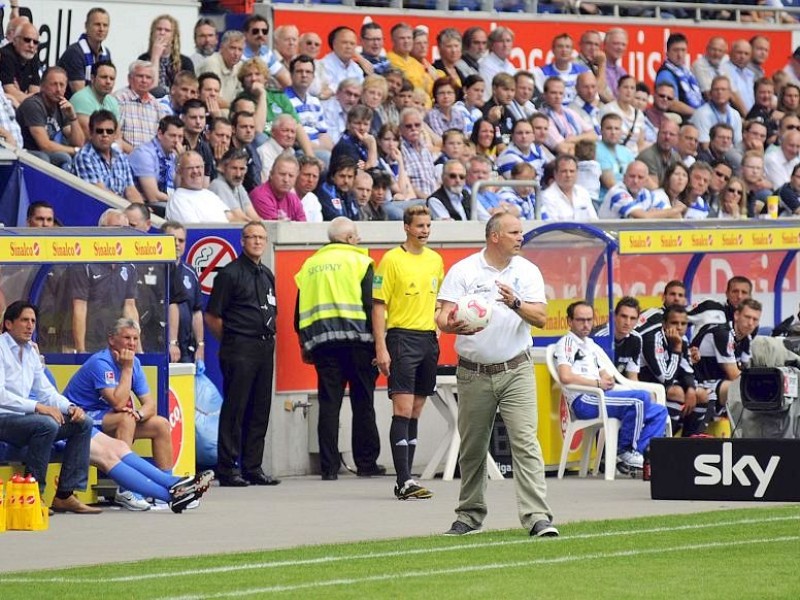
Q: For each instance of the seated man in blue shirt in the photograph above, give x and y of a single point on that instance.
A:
(34, 414)
(103, 387)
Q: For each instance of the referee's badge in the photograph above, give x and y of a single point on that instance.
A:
(435, 284)
(377, 281)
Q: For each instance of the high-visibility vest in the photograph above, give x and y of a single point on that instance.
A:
(331, 307)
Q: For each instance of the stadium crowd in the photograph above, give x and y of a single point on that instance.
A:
(291, 132)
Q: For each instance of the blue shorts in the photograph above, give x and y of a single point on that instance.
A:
(97, 417)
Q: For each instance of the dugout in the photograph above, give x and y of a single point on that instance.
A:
(35, 266)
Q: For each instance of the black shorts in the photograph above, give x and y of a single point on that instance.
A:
(414, 355)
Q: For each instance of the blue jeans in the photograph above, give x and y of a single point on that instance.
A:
(38, 432)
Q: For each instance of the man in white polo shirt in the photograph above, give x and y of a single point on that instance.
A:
(495, 371)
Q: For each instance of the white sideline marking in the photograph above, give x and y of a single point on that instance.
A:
(439, 549)
(478, 568)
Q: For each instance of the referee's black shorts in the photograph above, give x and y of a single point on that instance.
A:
(414, 355)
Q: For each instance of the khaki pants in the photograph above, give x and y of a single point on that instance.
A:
(479, 397)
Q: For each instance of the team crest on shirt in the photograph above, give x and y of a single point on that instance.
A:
(435, 284)
(123, 272)
(187, 283)
(109, 378)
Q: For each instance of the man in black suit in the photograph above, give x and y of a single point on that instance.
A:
(451, 201)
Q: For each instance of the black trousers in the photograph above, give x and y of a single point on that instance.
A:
(339, 365)
(247, 368)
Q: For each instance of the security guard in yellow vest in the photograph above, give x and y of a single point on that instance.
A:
(333, 321)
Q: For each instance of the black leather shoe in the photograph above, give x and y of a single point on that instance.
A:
(330, 476)
(260, 478)
(375, 471)
(234, 480)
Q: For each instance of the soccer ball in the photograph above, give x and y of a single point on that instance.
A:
(475, 311)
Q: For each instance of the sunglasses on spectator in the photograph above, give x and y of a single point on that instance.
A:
(104, 130)
(456, 176)
(736, 191)
(412, 125)
(793, 127)
(665, 97)
(29, 40)
(257, 30)
(722, 176)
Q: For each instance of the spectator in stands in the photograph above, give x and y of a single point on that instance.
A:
(226, 64)
(450, 61)
(758, 186)
(375, 209)
(194, 119)
(564, 67)
(700, 174)
(103, 165)
(501, 42)
(79, 58)
(372, 59)
(521, 149)
(451, 201)
(721, 172)
(417, 158)
(185, 323)
(184, 87)
(34, 415)
(760, 46)
(400, 58)
(244, 134)
(362, 190)
(191, 203)
(256, 30)
(792, 68)
(472, 101)
(154, 163)
(205, 42)
(308, 107)
(578, 358)
(391, 162)
(280, 143)
(443, 115)
(665, 360)
(103, 387)
(591, 56)
(612, 155)
(164, 52)
(335, 193)
(485, 140)
(310, 45)
(589, 169)
(522, 106)
(96, 96)
(659, 110)
(789, 194)
(673, 185)
(106, 291)
(586, 100)
(275, 199)
(14, 21)
(687, 144)
(662, 155)
(357, 142)
(228, 186)
(633, 120)
(497, 108)
(520, 200)
(630, 199)
(420, 50)
(709, 65)
(474, 44)
(720, 147)
(219, 136)
(140, 112)
(615, 45)
(40, 214)
(335, 110)
(268, 104)
(453, 146)
(733, 200)
(19, 64)
(780, 162)
(673, 70)
(208, 87)
(339, 64)
(479, 168)
(763, 110)
(741, 76)
(10, 132)
(49, 123)
(285, 40)
(565, 124)
(564, 200)
(307, 181)
(375, 90)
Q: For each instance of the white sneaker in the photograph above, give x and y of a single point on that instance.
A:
(159, 504)
(131, 501)
(631, 459)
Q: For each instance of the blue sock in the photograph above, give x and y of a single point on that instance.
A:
(144, 467)
(131, 479)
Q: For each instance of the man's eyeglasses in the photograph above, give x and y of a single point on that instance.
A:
(665, 96)
(104, 130)
(261, 30)
(412, 125)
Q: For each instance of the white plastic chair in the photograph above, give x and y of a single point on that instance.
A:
(607, 427)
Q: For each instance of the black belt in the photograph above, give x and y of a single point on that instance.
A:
(494, 368)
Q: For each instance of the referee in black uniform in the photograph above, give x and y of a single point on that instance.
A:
(241, 313)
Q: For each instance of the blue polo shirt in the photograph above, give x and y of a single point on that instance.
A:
(98, 373)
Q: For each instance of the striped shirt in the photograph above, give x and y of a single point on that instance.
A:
(139, 116)
(90, 166)
(618, 202)
(513, 155)
(569, 77)
(309, 111)
(274, 66)
(419, 166)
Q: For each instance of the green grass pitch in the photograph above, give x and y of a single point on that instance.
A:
(751, 553)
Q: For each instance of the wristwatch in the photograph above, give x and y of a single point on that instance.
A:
(516, 304)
